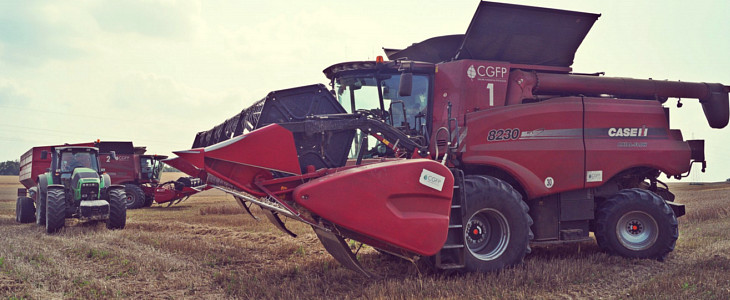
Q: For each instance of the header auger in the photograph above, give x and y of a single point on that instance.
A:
(466, 149)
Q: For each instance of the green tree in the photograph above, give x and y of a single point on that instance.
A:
(10, 167)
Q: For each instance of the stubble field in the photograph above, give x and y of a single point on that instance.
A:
(207, 247)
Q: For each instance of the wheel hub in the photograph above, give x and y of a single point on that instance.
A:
(637, 230)
(487, 234)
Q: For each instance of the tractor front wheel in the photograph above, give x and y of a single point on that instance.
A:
(636, 223)
(55, 210)
(117, 209)
(24, 210)
(135, 196)
(496, 225)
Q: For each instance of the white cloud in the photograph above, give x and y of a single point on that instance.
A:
(153, 18)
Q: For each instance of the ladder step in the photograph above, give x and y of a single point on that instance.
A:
(451, 266)
(456, 206)
(451, 226)
(453, 246)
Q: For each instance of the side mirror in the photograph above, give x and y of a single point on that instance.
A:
(113, 154)
(405, 86)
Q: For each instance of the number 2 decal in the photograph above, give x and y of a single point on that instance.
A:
(108, 158)
(503, 134)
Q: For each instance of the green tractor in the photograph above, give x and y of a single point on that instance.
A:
(75, 187)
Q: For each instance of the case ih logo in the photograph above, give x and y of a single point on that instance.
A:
(628, 132)
(486, 71)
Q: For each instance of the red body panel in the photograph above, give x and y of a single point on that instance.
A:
(648, 143)
(409, 214)
(509, 137)
(558, 147)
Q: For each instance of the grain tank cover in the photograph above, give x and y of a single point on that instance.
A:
(511, 33)
(525, 35)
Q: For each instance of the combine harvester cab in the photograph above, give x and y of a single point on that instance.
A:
(466, 149)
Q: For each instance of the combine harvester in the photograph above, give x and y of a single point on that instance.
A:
(466, 149)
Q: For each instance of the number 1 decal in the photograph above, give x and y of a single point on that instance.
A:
(490, 87)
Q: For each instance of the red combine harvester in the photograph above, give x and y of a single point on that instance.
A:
(140, 174)
(466, 149)
(137, 172)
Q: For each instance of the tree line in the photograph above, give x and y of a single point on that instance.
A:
(10, 167)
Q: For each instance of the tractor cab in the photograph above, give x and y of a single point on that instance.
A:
(71, 161)
(398, 93)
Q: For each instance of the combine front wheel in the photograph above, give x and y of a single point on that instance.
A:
(135, 196)
(496, 226)
(636, 223)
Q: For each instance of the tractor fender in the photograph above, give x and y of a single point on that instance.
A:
(43, 184)
(106, 180)
(54, 187)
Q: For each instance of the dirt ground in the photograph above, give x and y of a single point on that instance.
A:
(207, 247)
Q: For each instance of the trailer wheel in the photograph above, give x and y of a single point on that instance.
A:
(496, 226)
(40, 209)
(117, 209)
(55, 210)
(636, 223)
(135, 196)
(24, 210)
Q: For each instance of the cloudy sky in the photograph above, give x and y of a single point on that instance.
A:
(156, 72)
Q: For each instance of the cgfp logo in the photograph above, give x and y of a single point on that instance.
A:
(486, 72)
(432, 180)
(471, 72)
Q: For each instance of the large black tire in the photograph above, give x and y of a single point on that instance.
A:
(55, 210)
(636, 223)
(135, 196)
(496, 226)
(117, 209)
(40, 209)
(24, 210)
(148, 200)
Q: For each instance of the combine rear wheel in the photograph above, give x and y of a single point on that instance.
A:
(135, 196)
(496, 226)
(24, 210)
(636, 223)
(55, 210)
(117, 210)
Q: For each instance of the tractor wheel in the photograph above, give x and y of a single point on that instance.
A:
(117, 209)
(135, 196)
(636, 223)
(40, 209)
(24, 210)
(55, 210)
(497, 230)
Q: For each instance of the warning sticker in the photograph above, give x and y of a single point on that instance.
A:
(594, 176)
(432, 180)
